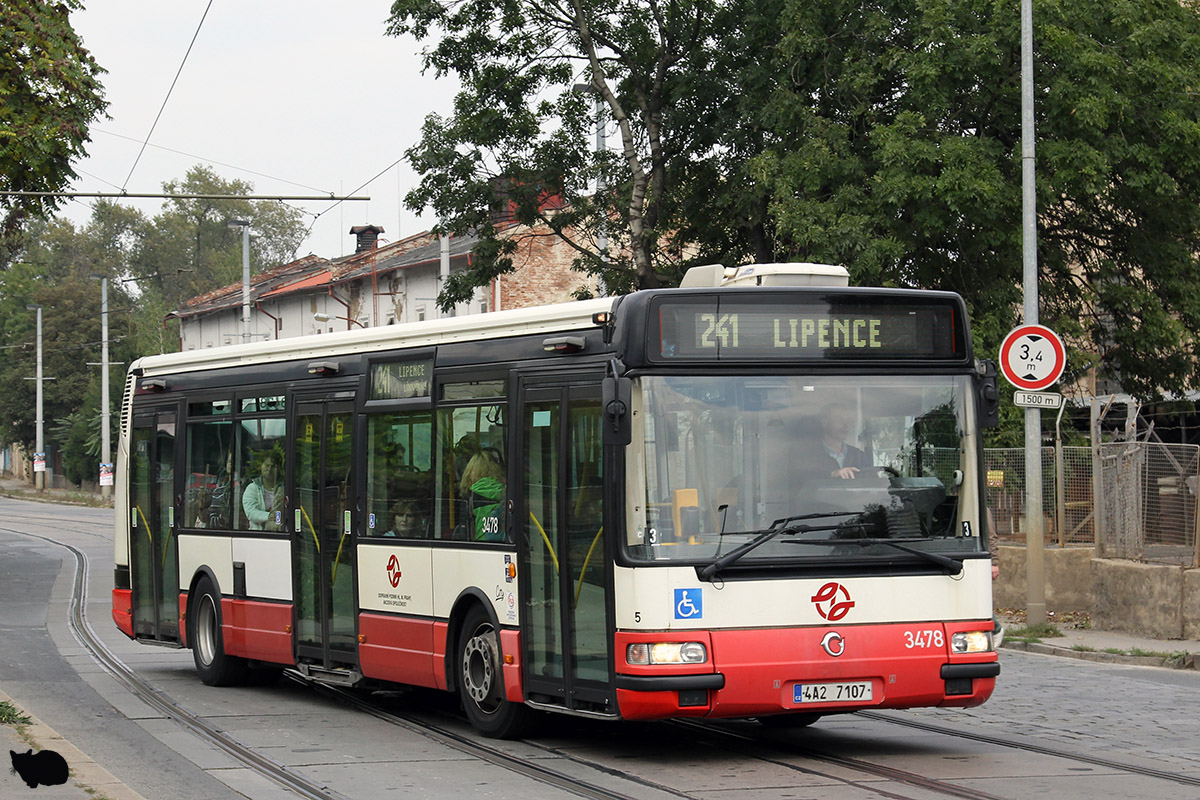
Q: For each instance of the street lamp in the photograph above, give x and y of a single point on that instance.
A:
(39, 477)
(244, 225)
(105, 436)
(320, 317)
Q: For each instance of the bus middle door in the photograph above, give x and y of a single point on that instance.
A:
(323, 541)
(566, 584)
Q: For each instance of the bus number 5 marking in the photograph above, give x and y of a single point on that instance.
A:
(923, 639)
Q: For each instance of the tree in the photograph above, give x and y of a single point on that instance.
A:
(188, 248)
(904, 164)
(49, 94)
(517, 148)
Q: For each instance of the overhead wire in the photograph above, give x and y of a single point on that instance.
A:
(168, 97)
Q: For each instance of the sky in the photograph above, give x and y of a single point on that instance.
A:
(303, 97)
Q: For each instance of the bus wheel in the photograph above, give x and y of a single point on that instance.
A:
(481, 684)
(216, 668)
(786, 721)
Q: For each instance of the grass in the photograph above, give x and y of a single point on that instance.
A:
(11, 715)
(1034, 633)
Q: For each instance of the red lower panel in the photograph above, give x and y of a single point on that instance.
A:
(258, 630)
(510, 647)
(122, 610)
(762, 668)
(399, 649)
(183, 601)
(441, 631)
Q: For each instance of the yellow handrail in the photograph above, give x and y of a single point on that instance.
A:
(582, 572)
(312, 528)
(546, 539)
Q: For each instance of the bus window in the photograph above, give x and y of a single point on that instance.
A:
(259, 477)
(208, 494)
(470, 473)
(400, 474)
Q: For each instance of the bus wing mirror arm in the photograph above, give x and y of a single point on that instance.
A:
(617, 394)
(989, 394)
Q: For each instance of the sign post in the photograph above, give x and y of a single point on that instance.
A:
(1032, 358)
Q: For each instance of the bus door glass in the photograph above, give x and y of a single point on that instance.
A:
(322, 532)
(566, 587)
(154, 560)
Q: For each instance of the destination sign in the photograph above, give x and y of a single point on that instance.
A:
(727, 328)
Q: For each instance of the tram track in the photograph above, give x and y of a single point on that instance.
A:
(279, 773)
(747, 744)
(1030, 747)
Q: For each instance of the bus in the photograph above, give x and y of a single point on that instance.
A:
(758, 495)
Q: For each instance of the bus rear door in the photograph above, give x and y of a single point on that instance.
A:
(566, 583)
(154, 561)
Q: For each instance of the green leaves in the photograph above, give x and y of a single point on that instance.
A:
(49, 94)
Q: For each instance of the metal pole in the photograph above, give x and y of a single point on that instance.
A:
(105, 422)
(1034, 544)
(39, 478)
(246, 282)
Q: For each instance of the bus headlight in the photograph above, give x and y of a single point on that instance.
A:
(667, 653)
(971, 642)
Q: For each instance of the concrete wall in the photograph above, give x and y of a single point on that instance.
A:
(1191, 604)
(1068, 578)
(1159, 601)
(1144, 599)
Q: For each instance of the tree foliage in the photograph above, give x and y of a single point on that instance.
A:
(883, 136)
(518, 146)
(153, 266)
(49, 94)
(904, 164)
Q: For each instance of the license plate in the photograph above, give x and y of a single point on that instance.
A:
(849, 692)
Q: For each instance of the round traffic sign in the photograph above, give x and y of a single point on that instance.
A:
(1032, 357)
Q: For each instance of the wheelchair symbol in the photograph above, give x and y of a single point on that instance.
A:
(689, 604)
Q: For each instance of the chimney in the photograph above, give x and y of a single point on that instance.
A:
(368, 236)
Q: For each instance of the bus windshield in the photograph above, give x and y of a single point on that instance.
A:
(864, 461)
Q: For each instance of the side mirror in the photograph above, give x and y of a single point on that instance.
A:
(989, 395)
(617, 397)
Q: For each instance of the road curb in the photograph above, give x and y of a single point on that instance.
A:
(1187, 662)
(85, 773)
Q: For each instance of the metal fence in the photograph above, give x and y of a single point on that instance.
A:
(1148, 498)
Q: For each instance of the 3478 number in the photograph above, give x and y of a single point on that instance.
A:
(924, 639)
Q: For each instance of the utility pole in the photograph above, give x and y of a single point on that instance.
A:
(234, 224)
(39, 449)
(1034, 544)
(105, 421)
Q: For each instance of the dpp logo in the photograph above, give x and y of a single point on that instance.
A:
(827, 602)
(393, 569)
(689, 604)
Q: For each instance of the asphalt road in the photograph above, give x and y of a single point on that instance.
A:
(1139, 716)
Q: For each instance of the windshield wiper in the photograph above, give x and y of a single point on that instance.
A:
(950, 565)
(786, 525)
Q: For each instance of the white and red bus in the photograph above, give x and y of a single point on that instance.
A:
(757, 495)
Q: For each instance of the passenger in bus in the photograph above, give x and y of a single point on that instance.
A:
(406, 521)
(482, 486)
(833, 456)
(265, 496)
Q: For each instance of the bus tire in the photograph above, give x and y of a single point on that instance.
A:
(215, 666)
(481, 682)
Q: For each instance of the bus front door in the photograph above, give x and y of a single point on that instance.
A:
(566, 583)
(323, 542)
(154, 563)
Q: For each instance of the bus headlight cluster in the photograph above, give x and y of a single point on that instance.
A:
(971, 642)
(667, 653)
